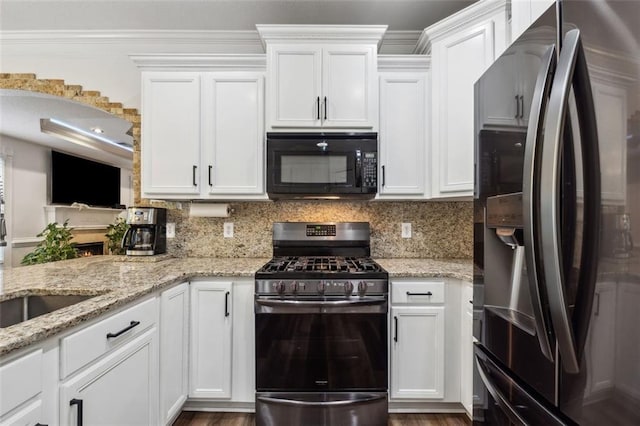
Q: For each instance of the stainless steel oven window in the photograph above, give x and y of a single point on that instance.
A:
(313, 169)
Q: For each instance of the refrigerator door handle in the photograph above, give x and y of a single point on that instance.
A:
(500, 399)
(531, 199)
(571, 70)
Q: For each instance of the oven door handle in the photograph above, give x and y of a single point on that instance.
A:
(322, 303)
(341, 403)
(369, 305)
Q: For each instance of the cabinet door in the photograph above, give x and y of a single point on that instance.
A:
(611, 112)
(244, 354)
(348, 86)
(122, 389)
(602, 339)
(233, 135)
(500, 107)
(466, 348)
(627, 380)
(174, 351)
(27, 416)
(417, 352)
(402, 133)
(210, 339)
(170, 134)
(458, 61)
(294, 85)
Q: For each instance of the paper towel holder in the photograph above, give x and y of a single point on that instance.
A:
(210, 210)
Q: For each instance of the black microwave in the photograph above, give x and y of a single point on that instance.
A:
(322, 165)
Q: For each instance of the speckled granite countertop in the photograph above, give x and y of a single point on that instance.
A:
(117, 280)
(461, 269)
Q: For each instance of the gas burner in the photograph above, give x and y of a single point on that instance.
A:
(321, 264)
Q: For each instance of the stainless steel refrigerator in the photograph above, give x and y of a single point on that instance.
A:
(556, 212)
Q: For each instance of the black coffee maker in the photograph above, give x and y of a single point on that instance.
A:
(147, 233)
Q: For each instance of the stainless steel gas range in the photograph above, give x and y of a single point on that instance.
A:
(321, 310)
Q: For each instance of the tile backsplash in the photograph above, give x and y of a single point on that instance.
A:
(439, 229)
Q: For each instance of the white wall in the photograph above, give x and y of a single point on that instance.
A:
(27, 187)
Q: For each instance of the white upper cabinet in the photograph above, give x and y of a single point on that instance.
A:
(321, 76)
(170, 133)
(517, 77)
(462, 47)
(404, 83)
(233, 154)
(202, 132)
(524, 13)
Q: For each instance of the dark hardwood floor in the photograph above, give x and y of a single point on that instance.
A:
(192, 418)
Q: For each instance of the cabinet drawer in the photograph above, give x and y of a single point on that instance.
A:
(417, 292)
(84, 346)
(20, 380)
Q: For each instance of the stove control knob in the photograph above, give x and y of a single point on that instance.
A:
(280, 287)
(348, 288)
(321, 287)
(362, 288)
(294, 287)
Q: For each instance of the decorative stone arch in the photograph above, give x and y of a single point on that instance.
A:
(92, 98)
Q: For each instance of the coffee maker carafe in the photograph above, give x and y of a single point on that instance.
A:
(147, 233)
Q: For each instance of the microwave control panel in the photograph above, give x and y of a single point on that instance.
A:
(370, 169)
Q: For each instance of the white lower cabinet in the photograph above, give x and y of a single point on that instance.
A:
(28, 415)
(466, 348)
(174, 351)
(417, 353)
(417, 340)
(210, 366)
(121, 389)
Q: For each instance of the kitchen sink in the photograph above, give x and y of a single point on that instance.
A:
(14, 311)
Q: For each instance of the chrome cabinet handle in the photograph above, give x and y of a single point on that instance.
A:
(131, 325)
(572, 72)
(77, 402)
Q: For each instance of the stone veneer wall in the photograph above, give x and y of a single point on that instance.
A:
(440, 229)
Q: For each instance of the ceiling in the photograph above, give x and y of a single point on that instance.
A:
(22, 111)
(399, 15)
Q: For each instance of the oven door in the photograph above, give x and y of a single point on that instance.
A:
(321, 346)
(321, 166)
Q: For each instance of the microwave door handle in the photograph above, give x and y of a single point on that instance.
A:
(572, 71)
(358, 157)
(531, 199)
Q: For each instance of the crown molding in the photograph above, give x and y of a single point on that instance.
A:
(477, 11)
(404, 63)
(369, 34)
(200, 62)
(132, 36)
(392, 41)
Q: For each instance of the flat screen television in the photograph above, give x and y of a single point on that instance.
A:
(76, 180)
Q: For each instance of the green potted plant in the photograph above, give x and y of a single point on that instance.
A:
(115, 233)
(56, 245)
